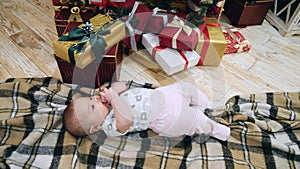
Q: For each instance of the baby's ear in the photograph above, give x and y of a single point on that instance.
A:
(94, 129)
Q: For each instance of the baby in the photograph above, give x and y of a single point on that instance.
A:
(171, 111)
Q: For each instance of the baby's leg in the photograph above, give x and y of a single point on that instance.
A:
(192, 120)
(206, 126)
(194, 96)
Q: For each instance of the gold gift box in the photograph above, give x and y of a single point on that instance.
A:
(84, 58)
(212, 44)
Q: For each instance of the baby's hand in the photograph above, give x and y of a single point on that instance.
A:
(106, 94)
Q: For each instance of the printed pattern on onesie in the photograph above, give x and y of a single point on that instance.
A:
(138, 100)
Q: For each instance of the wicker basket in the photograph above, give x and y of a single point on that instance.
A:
(108, 70)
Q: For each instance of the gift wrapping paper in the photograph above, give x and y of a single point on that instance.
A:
(236, 41)
(158, 21)
(69, 15)
(82, 57)
(136, 24)
(108, 70)
(212, 44)
(170, 60)
(67, 2)
(116, 3)
(178, 35)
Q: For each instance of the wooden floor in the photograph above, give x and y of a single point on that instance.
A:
(273, 64)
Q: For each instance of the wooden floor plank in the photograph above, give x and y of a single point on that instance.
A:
(29, 42)
(16, 63)
(4, 74)
(27, 30)
(32, 17)
(45, 6)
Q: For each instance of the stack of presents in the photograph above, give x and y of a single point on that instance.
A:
(178, 34)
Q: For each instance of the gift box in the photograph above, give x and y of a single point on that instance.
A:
(170, 60)
(179, 35)
(81, 47)
(115, 3)
(158, 20)
(95, 73)
(243, 13)
(71, 14)
(69, 2)
(236, 41)
(212, 44)
(136, 24)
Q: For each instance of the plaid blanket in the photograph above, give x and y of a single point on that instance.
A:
(265, 134)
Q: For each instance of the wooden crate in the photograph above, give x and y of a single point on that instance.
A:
(285, 16)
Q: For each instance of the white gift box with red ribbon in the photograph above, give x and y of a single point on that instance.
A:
(170, 60)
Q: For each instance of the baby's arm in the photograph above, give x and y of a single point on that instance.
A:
(123, 115)
(119, 87)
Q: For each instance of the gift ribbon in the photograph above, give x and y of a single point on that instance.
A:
(75, 34)
(98, 43)
(160, 48)
(157, 49)
(206, 42)
(177, 22)
(185, 58)
(74, 16)
(164, 17)
(131, 30)
(220, 4)
(95, 39)
(75, 12)
(243, 44)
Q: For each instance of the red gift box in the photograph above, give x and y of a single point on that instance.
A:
(236, 41)
(212, 44)
(115, 3)
(68, 16)
(158, 21)
(136, 24)
(177, 35)
(108, 70)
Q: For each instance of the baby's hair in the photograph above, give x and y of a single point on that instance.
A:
(71, 121)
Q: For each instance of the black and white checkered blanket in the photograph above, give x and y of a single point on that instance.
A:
(265, 134)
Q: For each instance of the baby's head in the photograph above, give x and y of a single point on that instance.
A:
(85, 115)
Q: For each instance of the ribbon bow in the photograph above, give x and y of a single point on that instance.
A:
(177, 22)
(86, 38)
(75, 8)
(98, 43)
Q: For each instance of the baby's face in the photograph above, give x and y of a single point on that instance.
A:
(91, 110)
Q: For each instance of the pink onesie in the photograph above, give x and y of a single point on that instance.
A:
(178, 110)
